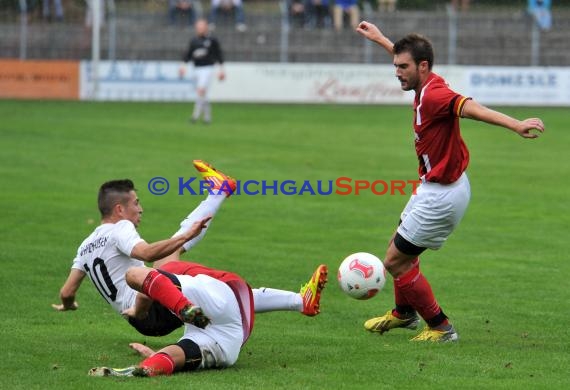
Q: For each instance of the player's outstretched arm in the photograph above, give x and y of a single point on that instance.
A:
(524, 128)
(69, 290)
(160, 249)
(373, 33)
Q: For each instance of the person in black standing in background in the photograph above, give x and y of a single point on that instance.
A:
(204, 52)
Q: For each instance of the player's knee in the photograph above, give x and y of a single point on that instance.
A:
(130, 276)
(391, 266)
(401, 256)
(135, 276)
(397, 266)
(192, 354)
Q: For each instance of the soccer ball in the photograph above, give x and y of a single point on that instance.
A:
(361, 275)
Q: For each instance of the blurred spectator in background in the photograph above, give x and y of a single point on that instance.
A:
(46, 9)
(228, 6)
(187, 9)
(461, 5)
(317, 13)
(367, 7)
(387, 5)
(540, 11)
(345, 7)
(297, 14)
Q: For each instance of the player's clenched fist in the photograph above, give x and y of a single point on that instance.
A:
(181, 72)
(370, 31)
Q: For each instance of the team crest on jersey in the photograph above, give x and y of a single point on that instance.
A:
(200, 53)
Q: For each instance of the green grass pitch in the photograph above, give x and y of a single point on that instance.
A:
(502, 277)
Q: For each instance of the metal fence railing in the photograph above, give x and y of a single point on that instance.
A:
(273, 32)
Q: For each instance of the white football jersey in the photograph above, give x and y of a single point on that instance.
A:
(105, 257)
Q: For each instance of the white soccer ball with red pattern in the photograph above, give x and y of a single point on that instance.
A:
(361, 275)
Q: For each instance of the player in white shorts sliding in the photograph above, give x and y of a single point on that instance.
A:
(115, 247)
(227, 301)
(441, 200)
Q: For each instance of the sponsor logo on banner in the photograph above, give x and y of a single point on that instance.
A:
(515, 85)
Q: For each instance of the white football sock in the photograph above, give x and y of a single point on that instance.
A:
(270, 299)
(207, 108)
(208, 206)
(198, 108)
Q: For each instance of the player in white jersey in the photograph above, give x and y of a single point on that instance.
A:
(115, 246)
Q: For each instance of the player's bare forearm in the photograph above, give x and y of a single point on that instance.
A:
(160, 249)
(474, 110)
(157, 250)
(69, 290)
(373, 33)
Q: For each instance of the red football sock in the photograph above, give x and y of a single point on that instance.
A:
(158, 364)
(399, 296)
(161, 289)
(403, 308)
(417, 291)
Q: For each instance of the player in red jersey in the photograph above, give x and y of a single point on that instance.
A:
(441, 200)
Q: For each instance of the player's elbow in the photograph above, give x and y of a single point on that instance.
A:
(145, 256)
(143, 251)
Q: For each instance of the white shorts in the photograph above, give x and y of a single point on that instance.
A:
(220, 342)
(434, 211)
(203, 76)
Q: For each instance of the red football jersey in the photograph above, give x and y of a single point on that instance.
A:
(442, 154)
(240, 288)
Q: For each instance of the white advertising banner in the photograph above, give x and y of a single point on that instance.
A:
(137, 81)
(311, 83)
(518, 86)
(321, 83)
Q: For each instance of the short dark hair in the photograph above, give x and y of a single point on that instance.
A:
(418, 46)
(111, 193)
